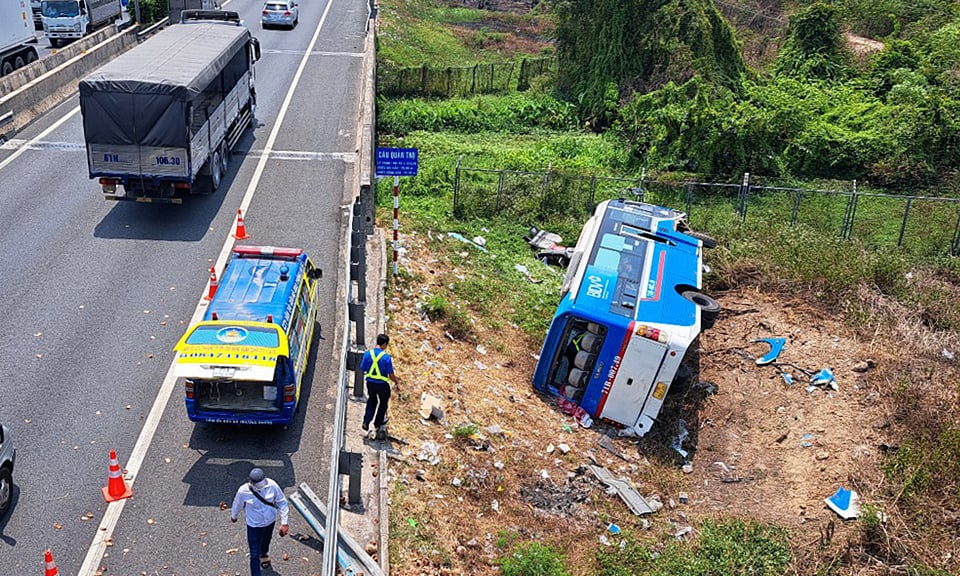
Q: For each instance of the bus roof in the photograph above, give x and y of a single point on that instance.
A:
(259, 285)
(635, 263)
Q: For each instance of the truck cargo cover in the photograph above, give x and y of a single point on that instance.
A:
(141, 96)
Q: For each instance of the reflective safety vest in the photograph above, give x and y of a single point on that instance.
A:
(374, 372)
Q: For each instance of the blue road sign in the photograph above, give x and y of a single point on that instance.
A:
(397, 161)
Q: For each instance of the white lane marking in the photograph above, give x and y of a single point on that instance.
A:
(316, 53)
(112, 514)
(19, 143)
(39, 137)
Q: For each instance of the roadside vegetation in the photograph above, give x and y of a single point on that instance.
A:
(686, 109)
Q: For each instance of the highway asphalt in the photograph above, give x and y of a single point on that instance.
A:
(96, 294)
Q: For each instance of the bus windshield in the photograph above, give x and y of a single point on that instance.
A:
(59, 9)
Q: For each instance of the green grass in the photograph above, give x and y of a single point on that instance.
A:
(729, 548)
(418, 32)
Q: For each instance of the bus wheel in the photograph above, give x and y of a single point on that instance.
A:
(707, 240)
(709, 308)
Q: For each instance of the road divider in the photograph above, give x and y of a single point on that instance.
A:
(38, 88)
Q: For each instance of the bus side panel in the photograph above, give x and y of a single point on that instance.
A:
(633, 381)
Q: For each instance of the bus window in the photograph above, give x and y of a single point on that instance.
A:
(577, 357)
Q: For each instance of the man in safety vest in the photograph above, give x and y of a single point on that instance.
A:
(377, 367)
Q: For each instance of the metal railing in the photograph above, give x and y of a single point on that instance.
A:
(927, 225)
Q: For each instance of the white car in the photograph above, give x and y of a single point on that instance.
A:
(280, 13)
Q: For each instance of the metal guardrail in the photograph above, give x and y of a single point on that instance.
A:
(149, 30)
(350, 556)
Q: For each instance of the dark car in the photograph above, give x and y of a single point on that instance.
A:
(8, 454)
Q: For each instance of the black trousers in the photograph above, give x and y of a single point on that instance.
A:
(378, 399)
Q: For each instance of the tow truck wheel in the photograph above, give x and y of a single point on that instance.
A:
(215, 174)
(6, 490)
(709, 308)
(19, 63)
(7, 68)
(31, 57)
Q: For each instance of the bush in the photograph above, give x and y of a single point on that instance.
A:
(533, 559)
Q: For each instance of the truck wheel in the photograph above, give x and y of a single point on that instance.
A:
(31, 57)
(7, 68)
(215, 174)
(6, 490)
(54, 42)
(224, 158)
(19, 63)
(709, 308)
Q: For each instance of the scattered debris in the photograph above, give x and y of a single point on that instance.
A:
(864, 365)
(480, 241)
(681, 437)
(627, 493)
(526, 272)
(947, 354)
(683, 533)
(683, 497)
(687, 468)
(787, 378)
(430, 453)
(613, 528)
(776, 345)
(466, 240)
(824, 379)
(844, 503)
(606, 443)
(548, 247)
(431, 406)
(806, 440)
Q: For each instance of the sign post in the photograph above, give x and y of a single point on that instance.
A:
(397, 162)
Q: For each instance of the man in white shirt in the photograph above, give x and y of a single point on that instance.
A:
(261, 498)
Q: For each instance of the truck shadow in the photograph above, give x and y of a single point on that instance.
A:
(189, 221)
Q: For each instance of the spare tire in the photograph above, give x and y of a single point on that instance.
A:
(709, 308)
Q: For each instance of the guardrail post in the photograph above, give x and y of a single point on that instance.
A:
(356, 311)
(351, 465)
(353, 363)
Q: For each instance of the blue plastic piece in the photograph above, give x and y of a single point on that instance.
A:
(844, 503)
(825, 377)
(776, 345)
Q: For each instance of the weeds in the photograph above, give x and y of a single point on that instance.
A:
(533, 559)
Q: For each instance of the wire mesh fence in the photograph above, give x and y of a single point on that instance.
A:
(491, 78)
(923, 225)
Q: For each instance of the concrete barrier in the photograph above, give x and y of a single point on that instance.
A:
(35, 89)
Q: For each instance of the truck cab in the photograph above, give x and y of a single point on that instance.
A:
(66, 20)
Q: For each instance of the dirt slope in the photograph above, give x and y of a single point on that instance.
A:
(760, 449)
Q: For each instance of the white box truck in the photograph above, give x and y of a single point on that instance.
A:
(16, 36)
(65, 20)
(160, 116)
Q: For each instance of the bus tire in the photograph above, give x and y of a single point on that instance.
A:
(709, 308)
(707, 240)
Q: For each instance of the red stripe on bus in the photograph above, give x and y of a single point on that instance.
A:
(656, 293)
(614, 369)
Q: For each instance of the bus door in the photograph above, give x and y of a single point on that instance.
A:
(634, 378)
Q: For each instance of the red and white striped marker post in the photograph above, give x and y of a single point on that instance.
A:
(396, 223)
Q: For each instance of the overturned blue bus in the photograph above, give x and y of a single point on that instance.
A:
(631, 305)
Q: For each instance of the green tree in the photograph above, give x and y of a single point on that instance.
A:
(814, 48)
(610, 49)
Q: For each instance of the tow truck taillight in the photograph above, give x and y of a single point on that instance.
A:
(651, 333)
(188, 388)
(265, 13)
(288, 13)
(288, 393)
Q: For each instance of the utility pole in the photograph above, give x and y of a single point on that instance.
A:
(136, 10)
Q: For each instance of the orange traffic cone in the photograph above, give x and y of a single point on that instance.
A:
(51, 569)
(241, 233)
(214, 284)
(116, 488)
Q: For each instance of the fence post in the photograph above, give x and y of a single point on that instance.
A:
(744, 191)
(543, 191)
(449, 81)
(689, 188)
(846, 229)
(473, 81)
(593, 193)
(796, 207)
(903, 225)
(456, 185)
(423, 80)
(955, 249)
(499, 193)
